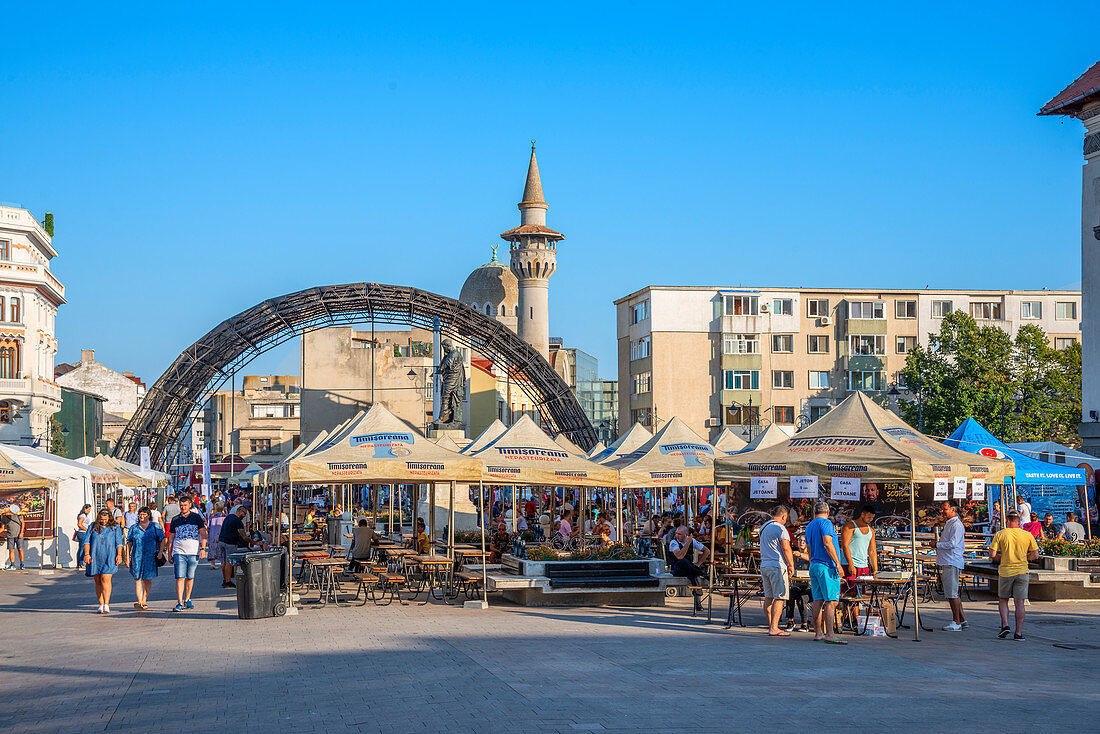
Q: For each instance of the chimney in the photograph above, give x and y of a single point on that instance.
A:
(127, 374)
(87, 355)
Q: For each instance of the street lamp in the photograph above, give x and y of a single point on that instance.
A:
(734, 404)
(894, 392)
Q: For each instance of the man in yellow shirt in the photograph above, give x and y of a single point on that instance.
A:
(422, 545)
(1012, 548)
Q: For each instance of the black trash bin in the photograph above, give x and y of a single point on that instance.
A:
(261, 583)
(334, 531)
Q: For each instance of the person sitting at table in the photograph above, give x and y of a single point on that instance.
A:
(311, 518)
(565, 527)
(857, 538)
(800, 588)
(1050, 530)
(420, 543)
(363, 538)
(1072, 530)
(521, 524)
(651, 526)
(680, 551)
(603, 538)
(1034, 527)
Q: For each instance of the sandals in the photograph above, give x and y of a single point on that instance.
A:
(834, 641)
(780, 633)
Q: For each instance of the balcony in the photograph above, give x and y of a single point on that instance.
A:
(32, 274)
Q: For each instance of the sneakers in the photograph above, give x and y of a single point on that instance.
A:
(953, 627)
(964, 624)
(228, 585)
(177, 608)
(9, 567)
(188, 604)
(1019, 638)
(1005, 632)
(22, 567)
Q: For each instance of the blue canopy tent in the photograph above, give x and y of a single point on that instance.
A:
(1048, 487)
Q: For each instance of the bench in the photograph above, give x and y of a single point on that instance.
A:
(468, 582)
(368, 582)
(580, 575)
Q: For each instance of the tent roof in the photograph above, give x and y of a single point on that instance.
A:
(277, 473)
(771, 436)
(675, 457)
(58, 467)
(1034, 448)
(596, 450)
(729, 442)
(633, 439)
(525, 455)
(248, 473)
(380, 447)
(126, 477)
(859, 438)
(972, 437)
(13, 477)
(494, 431)
(448, 443)
(569, 446)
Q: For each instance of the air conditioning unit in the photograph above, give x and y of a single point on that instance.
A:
(764, 308)
(824, 321)
(713, 423)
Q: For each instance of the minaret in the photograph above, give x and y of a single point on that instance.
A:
(534, 260)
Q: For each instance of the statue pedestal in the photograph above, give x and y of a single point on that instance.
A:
(465, 512)
(458, 435)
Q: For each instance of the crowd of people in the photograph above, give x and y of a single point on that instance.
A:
(189, 530)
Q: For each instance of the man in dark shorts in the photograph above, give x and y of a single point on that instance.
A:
(13, 523)
(231, 539)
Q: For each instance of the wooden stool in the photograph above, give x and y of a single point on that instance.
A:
(367, 584)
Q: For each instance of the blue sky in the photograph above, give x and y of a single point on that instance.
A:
(201, 158)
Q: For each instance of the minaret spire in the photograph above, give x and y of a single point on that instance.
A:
(532, 190)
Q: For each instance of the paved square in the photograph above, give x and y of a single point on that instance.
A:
(437, 668)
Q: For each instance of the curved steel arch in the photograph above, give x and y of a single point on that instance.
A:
(187, 383)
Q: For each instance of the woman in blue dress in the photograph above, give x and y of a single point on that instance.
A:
(144, 542)
(102, 556)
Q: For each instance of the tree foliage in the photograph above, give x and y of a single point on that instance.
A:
(57, 438)
(1020, 389)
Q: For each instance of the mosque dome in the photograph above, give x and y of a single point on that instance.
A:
(493, 290)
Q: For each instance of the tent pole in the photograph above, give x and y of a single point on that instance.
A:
(618, 513)
(390, 495)
(514, 508)
(1088, 525)
(710, 566)
(431, 518)
(484, 557)
(290, 550)
(451, 525)
(913, 558)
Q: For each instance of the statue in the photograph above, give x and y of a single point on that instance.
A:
(452, 387)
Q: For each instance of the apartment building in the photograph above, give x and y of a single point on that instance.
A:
(258, 421)
(719, 357)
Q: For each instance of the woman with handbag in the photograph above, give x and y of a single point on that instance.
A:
(103, 548)
(145, 551)
(82, 519)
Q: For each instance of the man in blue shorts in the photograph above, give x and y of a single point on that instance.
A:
(826, 571)
(187, 539)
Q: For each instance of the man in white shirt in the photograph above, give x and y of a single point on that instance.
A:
(1024, 508)
(776, 567)
(1072, 530)
(949, 557)
(680, 551)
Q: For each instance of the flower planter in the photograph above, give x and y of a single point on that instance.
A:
(1058, 563)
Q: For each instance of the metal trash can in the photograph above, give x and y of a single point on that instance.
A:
(261, 583)
(333, 531)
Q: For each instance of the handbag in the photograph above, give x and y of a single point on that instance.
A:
(160, 559)
(76, 536)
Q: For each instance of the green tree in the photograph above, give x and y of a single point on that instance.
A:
(1019, 388)
(57, 438)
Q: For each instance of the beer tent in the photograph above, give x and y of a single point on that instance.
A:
(859, 441)
(729, 442)
(771, 436)
(595, 450)
(491, 433)
(634, 438)
(37, 499)
(569, 446)
(448, 443)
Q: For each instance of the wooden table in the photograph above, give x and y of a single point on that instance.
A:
(437, 569)
(742, 583)
(328, 585)
(877, 598)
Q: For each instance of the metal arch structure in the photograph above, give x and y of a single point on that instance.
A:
(191, 379)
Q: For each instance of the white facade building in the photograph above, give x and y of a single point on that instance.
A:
(29, 298)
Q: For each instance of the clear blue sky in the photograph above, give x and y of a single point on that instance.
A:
(202, 157)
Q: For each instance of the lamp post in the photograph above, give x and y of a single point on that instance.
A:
(734, 404)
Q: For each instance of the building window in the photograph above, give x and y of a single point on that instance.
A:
(817, 411)
(640, 349)
(640, 383)
(940, 309)
(260, 445)
(1064, 342)
(899, 380)
(1031, 310)
(741, 344)
(986, 310)
(784, 415)
(817, 307)
(488, 309)
(866, 310)
(1065, 310)
(3, 312)
(818, 345)
(782, 379)
(16, 311)
(742, 379)
(782, 306)
(640, 416)
(740, 305)
(905, 309)
(639, 313)
(906, 344)
(9, 361)
(868, 344)
(5, 250)
(867, 380)
(819, 380)
(783, 343)
(743, 416)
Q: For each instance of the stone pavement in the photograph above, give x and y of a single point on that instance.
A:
(438, 668)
